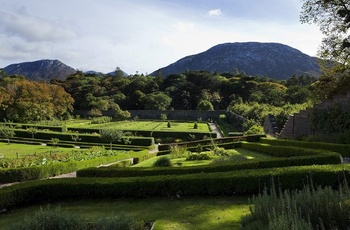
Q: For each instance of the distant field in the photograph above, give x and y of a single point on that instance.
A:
(142, 125)
(11, 150)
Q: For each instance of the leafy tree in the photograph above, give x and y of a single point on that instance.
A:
(32, 131)
(7, 132)
(333, 18)
(205, 105)
(156, 101)
(111, 135)
(55, 141)
(94, 112)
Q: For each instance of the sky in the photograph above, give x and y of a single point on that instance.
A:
(141, 36)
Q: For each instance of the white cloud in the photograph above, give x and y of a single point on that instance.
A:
(32, 29)
(215, 12)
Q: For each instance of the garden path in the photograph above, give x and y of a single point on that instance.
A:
(215, 128)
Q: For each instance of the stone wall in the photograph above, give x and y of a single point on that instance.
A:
(298, 124)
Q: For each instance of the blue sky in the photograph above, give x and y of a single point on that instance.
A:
(143, 35)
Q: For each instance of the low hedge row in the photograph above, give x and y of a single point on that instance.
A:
(249, 138)
(93, 138)
(292, 157)
(156, 134)
(45, 171)
(72, 144)
(343, 149)
(241, 182)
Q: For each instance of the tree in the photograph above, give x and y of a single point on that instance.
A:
(7, 132)
(111, 135)
(205, 105)
(333, 18)
(32, 131)
(156, 101)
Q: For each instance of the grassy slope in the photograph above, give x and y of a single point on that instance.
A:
(184, 213)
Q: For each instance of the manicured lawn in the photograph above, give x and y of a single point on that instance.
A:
(186, 213)
(143, 125)
(11, 150)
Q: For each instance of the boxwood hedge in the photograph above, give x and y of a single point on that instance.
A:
(343, 149)
(287, 156)
(45, 171)
(241, 182)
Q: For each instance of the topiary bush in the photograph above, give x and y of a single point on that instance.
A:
(162, 162)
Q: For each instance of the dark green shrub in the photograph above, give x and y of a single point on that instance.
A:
(198, 157)
(162, 162)
(195, 126)
(169, 125)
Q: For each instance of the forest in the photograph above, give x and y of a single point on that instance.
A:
(253, 97)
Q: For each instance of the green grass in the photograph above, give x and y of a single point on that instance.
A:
(185, 213)
(143, 125)
(11, 150)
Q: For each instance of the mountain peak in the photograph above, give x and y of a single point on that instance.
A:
(273, 60)
(41, 70)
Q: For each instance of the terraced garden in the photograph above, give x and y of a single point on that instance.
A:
(219, 174)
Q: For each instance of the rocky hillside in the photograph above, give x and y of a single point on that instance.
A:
(266, 59)
(42, 70)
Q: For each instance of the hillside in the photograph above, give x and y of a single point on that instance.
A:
(266, 59)
(41, 70)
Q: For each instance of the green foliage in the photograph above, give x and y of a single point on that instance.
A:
(7, 132)
(195, 126)
(163, 117)
(54, 218)
(162, 162)
(177, 151)
(169, 124)
(205, 105)
(111, 135)
(197, 157)
(309, 208)
(101, 120)
(241, 182)
(56, 164)
(49, 218)
(32, 131)
(94, 112)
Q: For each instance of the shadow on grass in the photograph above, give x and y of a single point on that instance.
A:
(169, 213)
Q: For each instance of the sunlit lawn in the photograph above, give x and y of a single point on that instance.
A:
(11, 150)
(142, 125)
(186, 213)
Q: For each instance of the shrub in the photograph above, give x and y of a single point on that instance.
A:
(162, 162)
(177, 151)
(309, 208)
(48, 219)
(195, 126)
(198, 157)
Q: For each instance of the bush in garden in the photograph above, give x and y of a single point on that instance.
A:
(198, 157)
(195, 126)
(48, 219)
(169, 125)
(218, 151)
(177, 151)
(162, 162)
(309, 208)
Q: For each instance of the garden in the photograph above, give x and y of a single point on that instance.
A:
(207, 182)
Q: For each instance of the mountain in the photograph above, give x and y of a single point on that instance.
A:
(273, 60)
(42, 70)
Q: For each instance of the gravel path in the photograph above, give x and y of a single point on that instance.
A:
(215, 128)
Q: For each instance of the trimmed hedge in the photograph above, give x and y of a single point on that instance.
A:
(241, 182)
(343, 149)
(93, 138)
(45, 171)
(287, 156)
(210, 142)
